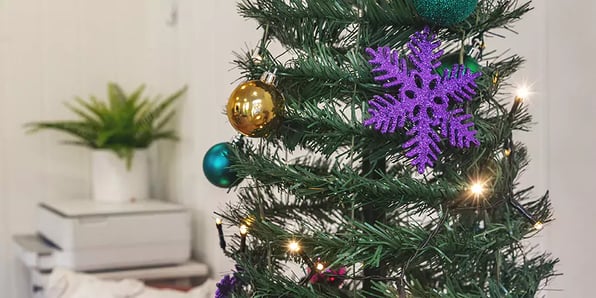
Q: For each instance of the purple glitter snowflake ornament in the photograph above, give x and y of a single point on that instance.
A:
(423, 99)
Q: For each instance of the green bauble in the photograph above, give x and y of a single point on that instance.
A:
(216, 166)
(445, 12)
(448, 61)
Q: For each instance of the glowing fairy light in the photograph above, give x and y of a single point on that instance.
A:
(320, 266)
(522, 93)
(243, 230)
(294, 246)
(477, 189)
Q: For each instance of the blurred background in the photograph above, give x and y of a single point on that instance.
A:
(53, 50)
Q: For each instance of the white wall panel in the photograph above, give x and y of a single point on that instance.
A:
(572, 139)
(52, 50)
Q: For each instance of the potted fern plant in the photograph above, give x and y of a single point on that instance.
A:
(119, 131)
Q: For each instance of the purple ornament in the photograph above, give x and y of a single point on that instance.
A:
(333, 277)
(423, 99)
(226, 286)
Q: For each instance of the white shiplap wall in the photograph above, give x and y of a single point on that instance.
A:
(207, 34)
(51, 51)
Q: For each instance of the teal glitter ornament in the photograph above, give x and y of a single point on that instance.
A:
(445, 12)
(448, 61)
(216, 166)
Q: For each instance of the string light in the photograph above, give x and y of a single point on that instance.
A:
(538, 225)
(477, 189)
(320, 266)
(507, 152)
(243, 233)
(515, 204)
(243, 230)
(522, 93)
(293, 246)
(496, 78)
(222, 240)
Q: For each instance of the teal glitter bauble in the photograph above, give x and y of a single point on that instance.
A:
(216, 166)
(448, 61)
(445, 12)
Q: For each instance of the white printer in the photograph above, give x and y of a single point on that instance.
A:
(85, 235)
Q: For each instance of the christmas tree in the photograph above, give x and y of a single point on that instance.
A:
(380, 160)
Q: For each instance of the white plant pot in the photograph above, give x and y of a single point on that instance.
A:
(113, 182)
